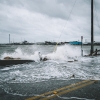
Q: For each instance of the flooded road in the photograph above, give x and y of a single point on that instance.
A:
(17, 82)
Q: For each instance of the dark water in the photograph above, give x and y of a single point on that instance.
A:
(15, 80)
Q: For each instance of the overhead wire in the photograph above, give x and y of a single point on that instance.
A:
(64, 26)
(96, 14)
(86, 1)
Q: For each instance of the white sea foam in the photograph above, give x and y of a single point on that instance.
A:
(71, 98)
(62, 53)
(66, 53)
(23, 55)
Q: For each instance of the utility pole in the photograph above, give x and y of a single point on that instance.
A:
(92, 31)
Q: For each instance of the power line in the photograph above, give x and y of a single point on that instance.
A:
(65, 24)
(87, 1)
(68, 17)
(96, 14)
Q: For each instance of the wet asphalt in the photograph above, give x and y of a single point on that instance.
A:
(22, 91)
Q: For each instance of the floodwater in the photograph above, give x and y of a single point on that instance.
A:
(56, 68)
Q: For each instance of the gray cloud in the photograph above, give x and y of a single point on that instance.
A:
(41, 20)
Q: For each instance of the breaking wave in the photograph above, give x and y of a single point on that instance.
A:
(65, 52)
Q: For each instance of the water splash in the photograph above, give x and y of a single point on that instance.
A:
(65, 52)
(21, 54)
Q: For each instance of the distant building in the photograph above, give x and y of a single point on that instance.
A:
(25, 42)
(55, 43)
(75, 43)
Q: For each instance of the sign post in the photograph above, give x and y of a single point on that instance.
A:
(81, 45)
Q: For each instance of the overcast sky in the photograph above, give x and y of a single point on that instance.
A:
(48, 20)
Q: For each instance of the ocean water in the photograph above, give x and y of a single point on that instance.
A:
(57, 67)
